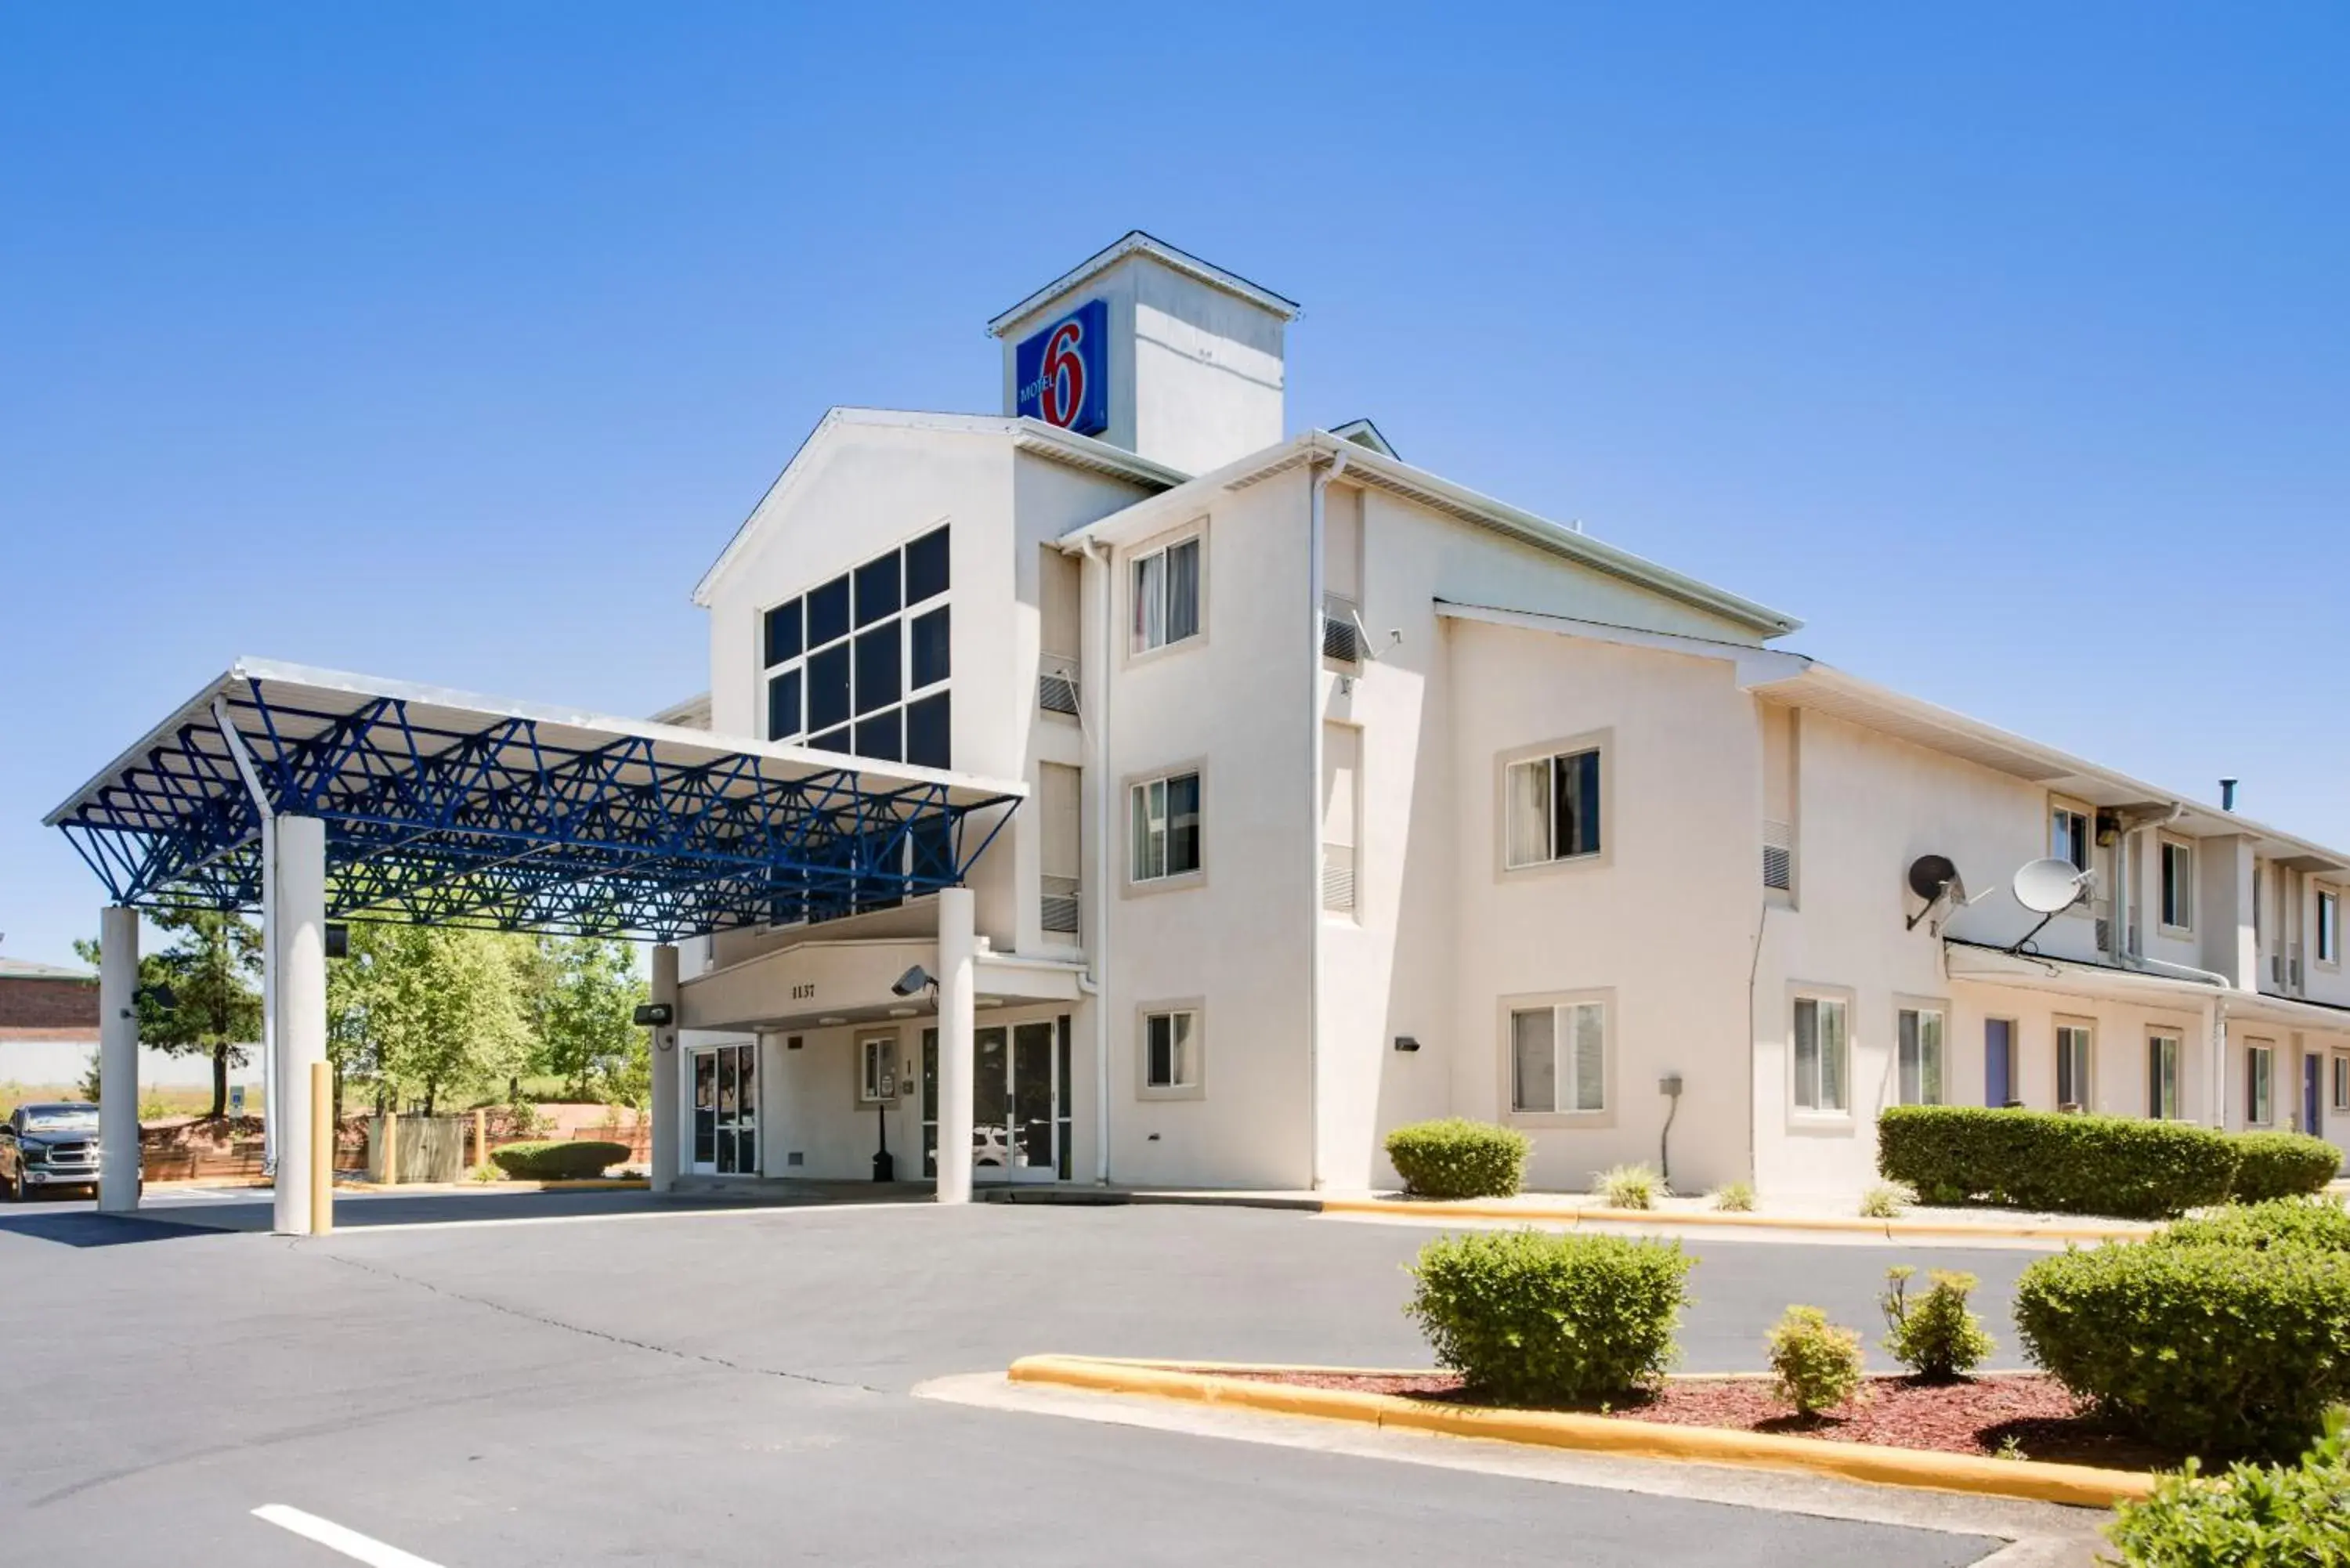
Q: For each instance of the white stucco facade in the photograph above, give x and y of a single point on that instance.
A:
(1267, 901)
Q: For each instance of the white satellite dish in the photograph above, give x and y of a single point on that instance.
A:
(2045, 887)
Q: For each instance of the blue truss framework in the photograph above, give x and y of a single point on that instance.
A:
(501, 826)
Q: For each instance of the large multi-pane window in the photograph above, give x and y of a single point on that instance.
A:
(1166, 593)
(1553, 808)
(1919, 1049)
(2076, 1044)
(1558, 1058)
(1166, 827)
(860, 664)
(1822, 1054)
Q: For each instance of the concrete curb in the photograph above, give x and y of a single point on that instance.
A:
(599, 1184)
(2080, 1486)
(1892, 1229)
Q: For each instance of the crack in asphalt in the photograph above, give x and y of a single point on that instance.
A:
(606, 1336)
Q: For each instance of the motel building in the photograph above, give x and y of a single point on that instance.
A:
(1117, 789)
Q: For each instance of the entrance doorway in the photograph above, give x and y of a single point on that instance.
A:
(1020, 1102)
(726, 1110)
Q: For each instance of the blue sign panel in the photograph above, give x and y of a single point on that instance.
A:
(1062, 371)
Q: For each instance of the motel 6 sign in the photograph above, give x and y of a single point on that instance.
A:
(1063, 371)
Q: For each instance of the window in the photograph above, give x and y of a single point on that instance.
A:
(1919, 1034)
(861, 663)
(2260, 1084)
(2000, 1077)
(2177, 885)
(1558, 1058)
(2329, 926)
(878, 1082)
(2068, 836)
(2162, 1075)
(1167, 827)
(1170, 1051)
(2075, 1043)
(1553, 808)
(1822, 1054)
(1166, 594)
(2341, 1082)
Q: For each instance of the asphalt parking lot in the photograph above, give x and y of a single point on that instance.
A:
(634, 1385)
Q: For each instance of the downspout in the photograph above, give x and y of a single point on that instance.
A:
(251, 777)
(1096, 983)
(1322, 474)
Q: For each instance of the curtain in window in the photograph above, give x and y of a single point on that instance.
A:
(1150, 831)
(1182, 825)
(1534, 1052)
(1182, 590)
(1807, 1053)
(1589, 1022)
(1530, 813)
(1833, 1047)
(1150, 601)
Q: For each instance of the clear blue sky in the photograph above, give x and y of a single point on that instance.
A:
(2005, 344)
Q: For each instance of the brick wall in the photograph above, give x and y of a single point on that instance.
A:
(52, 1006)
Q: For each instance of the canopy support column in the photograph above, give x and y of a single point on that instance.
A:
(118, 1060)
(958, 946)
(664, 1066)
(293, 966)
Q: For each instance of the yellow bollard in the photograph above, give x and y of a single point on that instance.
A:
(322, 1149)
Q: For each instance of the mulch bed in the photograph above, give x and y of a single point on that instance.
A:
(2030, 1413)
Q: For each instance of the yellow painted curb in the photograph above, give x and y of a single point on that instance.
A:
(420, 1188)
(1471, 1209)
(2082, 1486)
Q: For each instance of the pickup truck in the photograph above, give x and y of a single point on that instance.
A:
(53, 1144)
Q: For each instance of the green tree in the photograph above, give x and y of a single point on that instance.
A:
(587, 1033)
(200, 995)
(429, 1010)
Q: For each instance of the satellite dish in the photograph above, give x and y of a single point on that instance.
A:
(2045, 887)
(1931, 874)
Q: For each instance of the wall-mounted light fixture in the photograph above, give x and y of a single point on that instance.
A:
(1406, 1042)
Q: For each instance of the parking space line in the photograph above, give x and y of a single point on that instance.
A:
(335, 1537)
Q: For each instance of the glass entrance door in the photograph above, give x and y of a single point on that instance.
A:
(1020, 1101)
(725, 1111)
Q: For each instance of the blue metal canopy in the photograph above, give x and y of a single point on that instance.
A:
(445, 808)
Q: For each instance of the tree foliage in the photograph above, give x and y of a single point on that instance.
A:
(201, 994)
(586, 1031)
(428, 1012)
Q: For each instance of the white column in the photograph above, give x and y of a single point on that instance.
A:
(665, 1112)
(118, 1060)
(297, 967)
(958, 957)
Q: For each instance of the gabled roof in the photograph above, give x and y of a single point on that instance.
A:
(26, 968)
(1033, 436)
(1362, 432)
(1136, 243)
(1369, 467)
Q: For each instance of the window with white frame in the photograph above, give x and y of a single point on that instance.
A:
(2329, 926)
(1822, 1054)
(2068, 836)
(1166, 594)
(2178, 884)
(2341, 1082)
(1553, 808)
(1918, 1052)
(877, 1082)
(860, 664)
(1558, 1058)
(2260, 1082)
(2162, 1049)
(2077, 1045)
(1171, 1050)
(1166, 827)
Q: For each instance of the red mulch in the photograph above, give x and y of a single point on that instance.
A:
(1973, 1416)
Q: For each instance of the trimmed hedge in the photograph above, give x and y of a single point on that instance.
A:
(2065, 1162)
(1532, 1317)
(2280, 1223)
(1456, 1157)
(574, 1161)
(2282, 1164)
(2217, 1350)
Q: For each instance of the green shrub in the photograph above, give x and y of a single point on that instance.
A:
(1535, 1317)
(558, 1162)
(2215, 1350)
(1456, 1157)
(2041, 1160)
(2322, 1222)
(2250, 1516)
(1934, 1336)
(1887, 1200)
(1630, 1187)
(1734, 1196)
(1814, 1364)
(2281, 1165)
